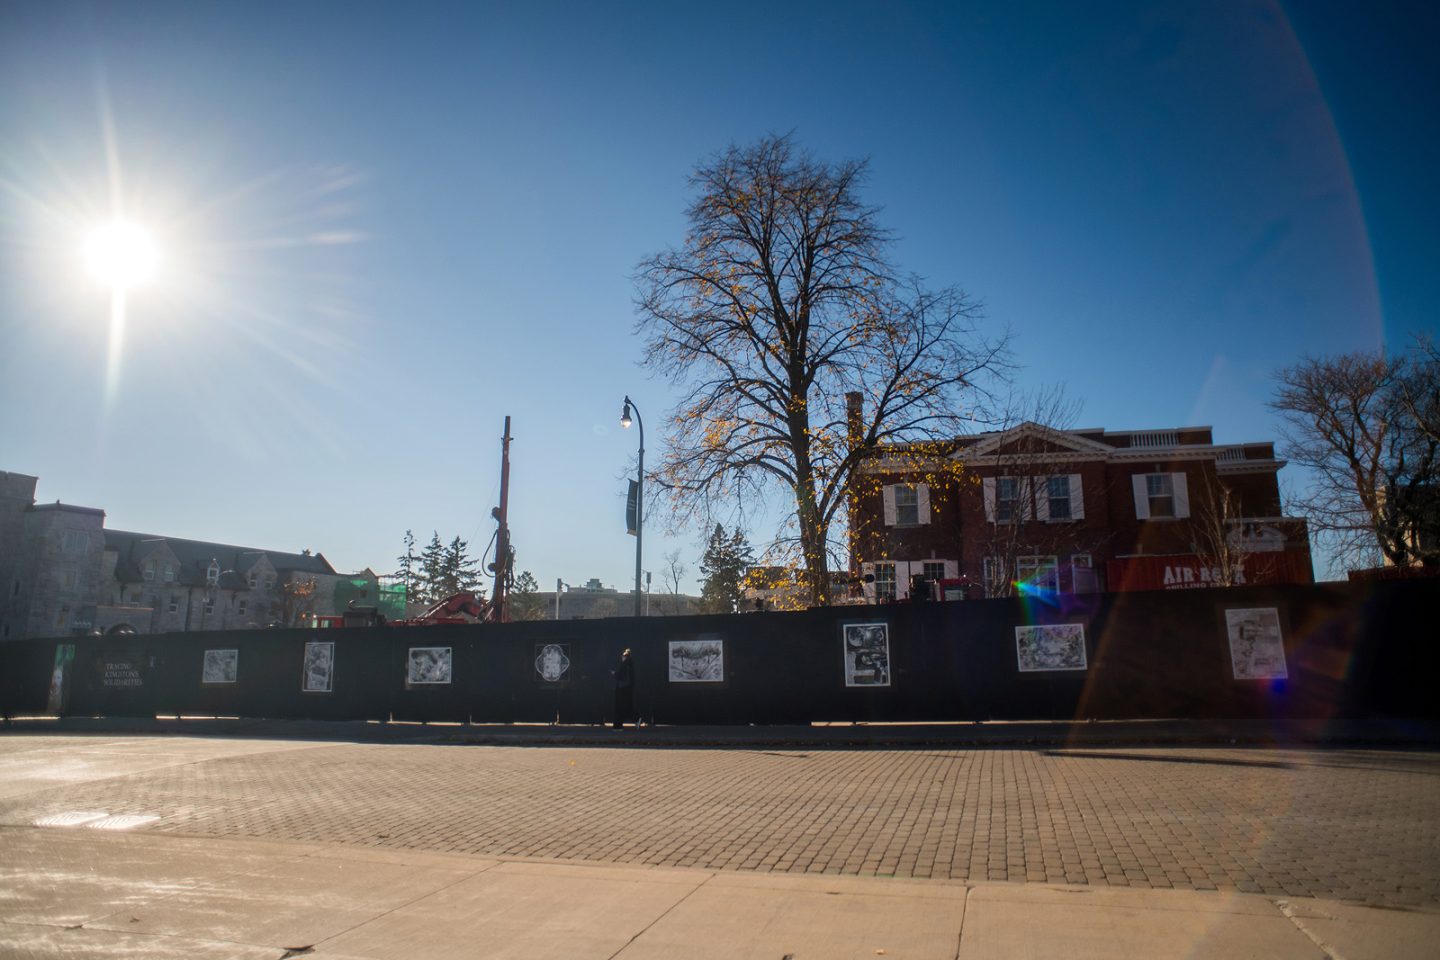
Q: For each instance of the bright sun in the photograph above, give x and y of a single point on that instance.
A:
(121, 255)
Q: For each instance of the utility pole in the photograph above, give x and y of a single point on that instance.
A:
(500, 602)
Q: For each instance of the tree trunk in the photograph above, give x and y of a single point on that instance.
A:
(812, 545)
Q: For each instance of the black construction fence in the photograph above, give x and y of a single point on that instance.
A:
(1334, 650)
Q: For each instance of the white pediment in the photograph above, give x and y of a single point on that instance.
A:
(1054, 444)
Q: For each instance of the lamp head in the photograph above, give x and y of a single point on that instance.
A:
(625, 420)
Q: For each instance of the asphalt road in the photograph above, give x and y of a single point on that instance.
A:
(1349, 824)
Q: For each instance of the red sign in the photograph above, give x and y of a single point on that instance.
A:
(1189, 572)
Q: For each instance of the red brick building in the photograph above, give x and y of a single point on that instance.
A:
(1077, 511)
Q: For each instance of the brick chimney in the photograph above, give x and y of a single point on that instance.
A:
(854, 418)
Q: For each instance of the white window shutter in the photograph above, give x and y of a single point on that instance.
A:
(1182, 495)
(988, 485)
(867, 587)
(890, 505)
(1042, 499)
(902, 579)
(922, 501)
(1027, 499)
(1077, 498)
(952, 569)
(1142, 497)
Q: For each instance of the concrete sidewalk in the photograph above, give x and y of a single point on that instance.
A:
(1057, 733)
(74, 892)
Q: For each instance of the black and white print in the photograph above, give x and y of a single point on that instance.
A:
(697, 660)
(1257, 651)
(319, 673)
(429, 665)
(867, 654)
(552, 661)
(221, 666)
(1050, 646)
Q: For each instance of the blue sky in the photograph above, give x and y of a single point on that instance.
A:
(387, 226)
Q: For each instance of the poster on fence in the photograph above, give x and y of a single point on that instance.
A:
(319, 673)
(428, 665)
(1256, 649)
(867, 654)
(221, 666)
(60, 675)
(552, 662)
(700, 659)
(1050, 646)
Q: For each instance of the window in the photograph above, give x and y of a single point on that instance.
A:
(251, 580)
(172, 605)
(209, 607)
(1057, 492)
(884, 582)
(1160, 492)
(269, 583)
(76, 541)
(1160, 496)
(1038, 572)
(907, 505)
(67, 580)
(1007, 499)
(135, 597)
(1059, 498)
(169, 573)
(240, 607)
(933, 569)
(993, 575)
(61, 616)
(149, 573)
(212, 573)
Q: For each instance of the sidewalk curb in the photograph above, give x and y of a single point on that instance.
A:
(1403, 734)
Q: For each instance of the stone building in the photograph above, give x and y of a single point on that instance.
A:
(64, 574)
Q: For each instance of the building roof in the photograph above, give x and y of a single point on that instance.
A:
(1033, 442)
(195, 556)
(65, 508)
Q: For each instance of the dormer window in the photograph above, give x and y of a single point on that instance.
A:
(149, 570)
(252, 581)
(169, 573)
(212, 573)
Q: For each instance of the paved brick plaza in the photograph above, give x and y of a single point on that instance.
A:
(1348, 824)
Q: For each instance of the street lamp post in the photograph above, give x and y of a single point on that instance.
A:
(639, 490)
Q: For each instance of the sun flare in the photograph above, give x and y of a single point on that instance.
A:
(121, 255)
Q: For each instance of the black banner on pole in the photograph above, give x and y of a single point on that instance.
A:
(632, 504)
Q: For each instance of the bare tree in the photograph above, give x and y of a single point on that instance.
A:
(779, 301)
(1215, 537)
(1419, 389)
(1358, 422)
(672, 573)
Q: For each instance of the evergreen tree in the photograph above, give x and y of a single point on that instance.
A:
(525, 602)
(723, 565)
(460, 570)
(431, 582)
(409, 572)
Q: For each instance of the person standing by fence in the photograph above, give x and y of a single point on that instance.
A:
(624, 689)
